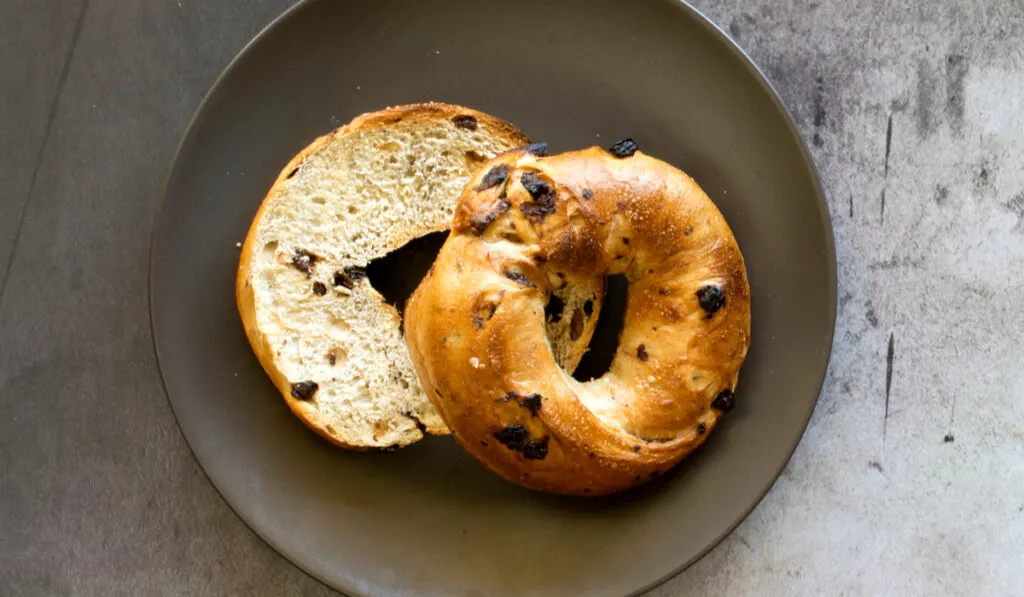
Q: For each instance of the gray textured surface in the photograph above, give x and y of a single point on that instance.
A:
(916, 116)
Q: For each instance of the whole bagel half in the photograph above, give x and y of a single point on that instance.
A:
(526, 224)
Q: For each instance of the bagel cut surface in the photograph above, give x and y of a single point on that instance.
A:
(526, 225)
(328, 340)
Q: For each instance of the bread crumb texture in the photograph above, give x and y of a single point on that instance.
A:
(351, 197)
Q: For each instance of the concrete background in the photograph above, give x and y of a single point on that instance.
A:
(909, 481)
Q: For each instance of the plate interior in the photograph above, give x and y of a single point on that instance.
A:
(427, 520)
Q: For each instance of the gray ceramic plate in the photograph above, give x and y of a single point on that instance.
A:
(428, 520)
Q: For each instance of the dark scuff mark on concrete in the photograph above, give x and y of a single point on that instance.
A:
(888, 144)
(924, 111)
(889, 358)
(1016, 207)
(734, 29)
(983, 178)
(871, 317)
(941, 194)
(956, 73)
(882, 215)
(894, 263)
(983, 293)
(952, 406)
(851, 206)
(948, 439)
(819, 114)
(877, 466)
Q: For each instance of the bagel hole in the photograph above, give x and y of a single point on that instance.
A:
(605, 341)
(396, 275)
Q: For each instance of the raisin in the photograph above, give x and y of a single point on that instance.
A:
(465, 121)
(624, 148)
(479, 223)
(332, 358)
(519, 278)
(348, 276)
(701, 428)
(724, 401)
(494, 177)
(641, 353)
(543, 196)
(588, 307)
(531, 403)
(538, 149)
(588, 194)
(688, 231)
(536, 449)
(636, 447)
(304, 390)
(293, 172)
(625, 241)
(711, 299)
(483, 314)
(553, 310)
(319, 288)
(304, 261)
(513, 436)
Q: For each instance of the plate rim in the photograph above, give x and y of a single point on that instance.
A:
(749, 65)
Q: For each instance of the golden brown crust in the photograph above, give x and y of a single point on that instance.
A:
(433, 111)
(604, 215)
(244, 295)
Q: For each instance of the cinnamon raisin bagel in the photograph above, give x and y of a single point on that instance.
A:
(526, 225)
